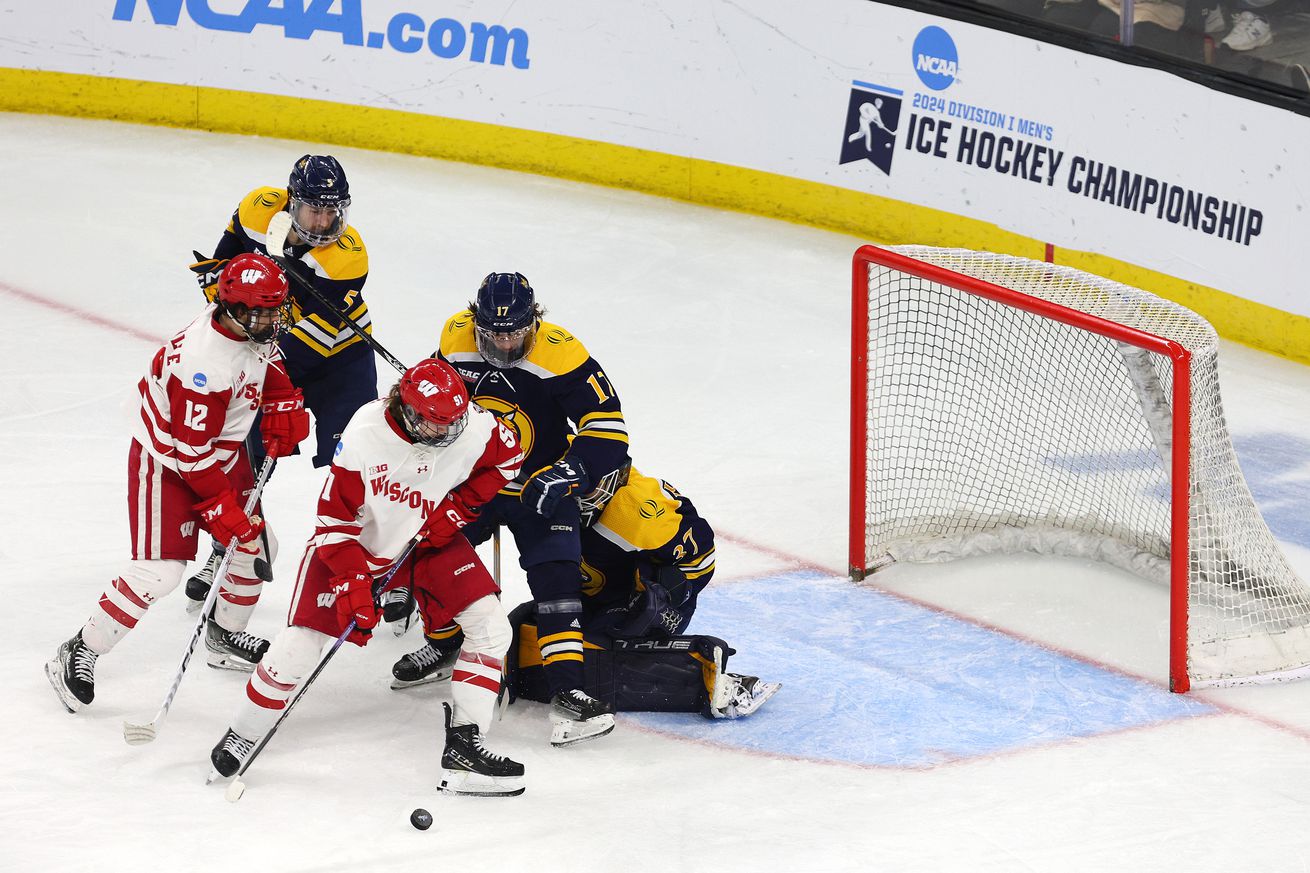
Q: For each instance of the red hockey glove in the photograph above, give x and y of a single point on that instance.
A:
(285, 423)
(355, 603)
(224, 519)
(451, 517)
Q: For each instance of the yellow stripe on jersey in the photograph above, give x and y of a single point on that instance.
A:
(703, 565)
(604, 426)
(642, 513)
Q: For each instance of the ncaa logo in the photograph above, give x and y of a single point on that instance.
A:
(199, 380)
(936, 60)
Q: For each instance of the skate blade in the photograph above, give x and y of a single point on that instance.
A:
(763, 691)
(465, 784)
(220, 661)
(566, 732)
(439, 676)
(54, 671)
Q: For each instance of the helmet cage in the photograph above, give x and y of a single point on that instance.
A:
(306, 214)
(428, 432)
(504, 349)
(593, 503)
(262, 324)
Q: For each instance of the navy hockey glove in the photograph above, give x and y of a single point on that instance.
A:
(207, 271)
(549, 485)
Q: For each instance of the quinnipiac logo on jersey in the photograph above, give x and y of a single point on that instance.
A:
(873, 117)
(936, 59)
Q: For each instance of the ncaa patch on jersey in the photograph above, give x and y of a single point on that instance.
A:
(200, 380)
(340, 445)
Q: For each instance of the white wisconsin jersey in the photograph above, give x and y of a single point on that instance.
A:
(200, 397)
(381, 488)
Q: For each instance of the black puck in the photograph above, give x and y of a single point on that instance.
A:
(421, 819)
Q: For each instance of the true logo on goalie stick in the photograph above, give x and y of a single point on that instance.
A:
(873, 116)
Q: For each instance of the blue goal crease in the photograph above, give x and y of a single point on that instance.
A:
(871, 679)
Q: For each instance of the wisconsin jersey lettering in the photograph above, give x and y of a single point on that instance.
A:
(557, 391)
(365, 520)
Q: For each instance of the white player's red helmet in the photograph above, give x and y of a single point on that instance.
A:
(433, 403)
(252, 289)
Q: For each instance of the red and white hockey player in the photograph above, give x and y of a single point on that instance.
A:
(187, 469)
(420, 461)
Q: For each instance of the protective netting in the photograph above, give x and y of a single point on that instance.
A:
(991, 428)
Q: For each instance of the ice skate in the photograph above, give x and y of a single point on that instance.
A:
(232, 651)
(197, 587)
(469, 768)
(398, 611)
(230, 752)
(577, 716)
(425, 666)
(72, 673)
(736, 696)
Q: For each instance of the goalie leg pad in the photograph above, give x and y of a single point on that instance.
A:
(676, 674)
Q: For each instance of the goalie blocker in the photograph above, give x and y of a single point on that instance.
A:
(667, 674)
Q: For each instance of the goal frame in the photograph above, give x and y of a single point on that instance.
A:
(1180, 459)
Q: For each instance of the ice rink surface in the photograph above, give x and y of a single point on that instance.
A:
(999, 714)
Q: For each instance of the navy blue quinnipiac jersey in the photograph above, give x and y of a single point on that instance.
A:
(558, 387)
(647, 521)
(337, 270)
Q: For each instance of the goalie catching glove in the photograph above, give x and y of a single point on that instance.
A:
(355, 603)
(207, 271)
(549, 485)
(285, 423)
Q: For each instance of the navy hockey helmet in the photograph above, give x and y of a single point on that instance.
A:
(505, 318)
(320, 198)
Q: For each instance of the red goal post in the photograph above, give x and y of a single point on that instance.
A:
(1002, 404)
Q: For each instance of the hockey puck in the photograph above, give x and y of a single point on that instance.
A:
(421, 819)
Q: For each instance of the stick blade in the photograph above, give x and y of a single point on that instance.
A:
(235, 789)
(275, 239)
(139, 734)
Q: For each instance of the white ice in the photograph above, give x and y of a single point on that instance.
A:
(727, 336)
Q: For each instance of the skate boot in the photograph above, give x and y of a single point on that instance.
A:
(736, 696)
(398, 610)
(72, 673)
(576, 716)
(429, 664)
(197, 587)
(230, 753)
(470, 768)
(232, 651)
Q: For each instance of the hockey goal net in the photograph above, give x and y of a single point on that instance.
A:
(1005, 405)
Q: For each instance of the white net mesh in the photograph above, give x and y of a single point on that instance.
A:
(994, 429)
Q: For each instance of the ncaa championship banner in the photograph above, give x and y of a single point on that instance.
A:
(1069, 149)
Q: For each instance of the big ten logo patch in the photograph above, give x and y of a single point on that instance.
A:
(873, 116)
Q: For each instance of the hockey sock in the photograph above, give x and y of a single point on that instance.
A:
(289, 659)
(237, 597)
(474, 687)
(126, 599)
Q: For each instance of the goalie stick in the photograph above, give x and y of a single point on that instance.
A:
(275, 241)
(236, 788)
(140, 734)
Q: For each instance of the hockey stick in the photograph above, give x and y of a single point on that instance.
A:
(237, 788)
(275, 241)
(140, 734)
